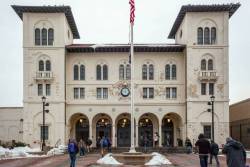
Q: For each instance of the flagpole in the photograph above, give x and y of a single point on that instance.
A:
(132, 105)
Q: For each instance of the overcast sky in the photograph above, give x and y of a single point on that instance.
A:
(107, 21)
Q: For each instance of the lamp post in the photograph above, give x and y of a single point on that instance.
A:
(43, 128)
(212, 104)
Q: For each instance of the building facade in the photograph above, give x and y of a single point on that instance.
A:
(83, 82)
(240, 122)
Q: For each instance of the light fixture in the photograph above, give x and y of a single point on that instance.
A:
(168, 120)
(80, 120)
(212, 98)
(124, 120)
(102, 120)
(146, 120)
(43, 99)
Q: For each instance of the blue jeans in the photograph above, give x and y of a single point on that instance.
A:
(82, 151)
(72, 159)
(203, 160)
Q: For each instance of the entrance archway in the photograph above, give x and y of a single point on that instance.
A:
(82, 129)
(167, 132)
(145, 132)
(123, 132)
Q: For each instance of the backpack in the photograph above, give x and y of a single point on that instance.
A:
(215, 149)
(72, 148)
(105, 143)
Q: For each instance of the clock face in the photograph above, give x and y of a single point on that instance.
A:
(125, 92)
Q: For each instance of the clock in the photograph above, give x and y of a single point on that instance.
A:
(125, 92)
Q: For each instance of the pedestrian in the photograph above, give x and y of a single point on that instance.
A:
(88, 144)
(188, 145)
(214, 150)
(145, 143)
(81, 145)
(203, 149)
(98, 142)
(156, 139)
(72, 150)
(235, 152)
(109, 145)
(103, 144)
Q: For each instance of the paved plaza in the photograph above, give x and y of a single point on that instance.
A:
(178, 160)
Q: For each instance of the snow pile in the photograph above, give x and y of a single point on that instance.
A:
(158, 159)
(108, 159)
(57, 150)
(248, 154)
(17, 152)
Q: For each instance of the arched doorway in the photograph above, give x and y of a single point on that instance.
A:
(82, 129)
(145, 132)
(123, 132)
(103, 128)
(167, 132)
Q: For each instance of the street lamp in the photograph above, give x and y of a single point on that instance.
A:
(43, 128)
(212, 104)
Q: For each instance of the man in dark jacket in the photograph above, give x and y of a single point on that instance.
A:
(235, 152)
(204, 149)
(214, 150)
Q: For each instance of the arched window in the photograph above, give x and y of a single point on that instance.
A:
(213, 35)
(174, 72)
(41, 65)
(167, 72)
(203, 64)
(210, 65)
(206, 36)
(82, 72)
(50, 36)
(44, 36)
(121, 72)
(128, 72)
(151, 72)
(144, 72)
(105, 72)
(98, 72)
(76, 72)
(37, 37)
(200, 36)
(48, 65)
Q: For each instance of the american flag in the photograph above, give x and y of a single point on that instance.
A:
(132, 11)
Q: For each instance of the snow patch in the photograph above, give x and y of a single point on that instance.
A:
(57, 151)
(17, 152)
(158, 159)
(108, 159)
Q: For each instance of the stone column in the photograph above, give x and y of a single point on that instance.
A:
(113, 136)
(137, 135)
(160, 134)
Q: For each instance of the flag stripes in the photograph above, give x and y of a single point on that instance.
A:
(132, 11)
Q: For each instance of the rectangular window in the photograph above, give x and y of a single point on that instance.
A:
(82, 93)
(168, 93)
(211, 88)
(102, 93)
(48, 90)
(171, 93)
(207, 131)
(76, 93)
(148, 93)
(203, 88)
(174, 93)
(46, 132)
(40, 89)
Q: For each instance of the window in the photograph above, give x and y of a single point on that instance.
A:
(48, 65)
(207, 131)
(200, 36)
(79, 93)
(48, 90)
(37, 36)
(167, 72)
(203, 64)
(44, 36)
(206, 36)
(211, 88)
(210, 64)
(98, 72)
(76, 72)
(171, 93)
(144, 72)
(148, 93)
(213, 35)
(44, 129)
(82, 72)
(102, 93)
(151, 72)
(105, 72)
(128, 72)
(121, 72)
(40, 89)
(102, 72)
(41, 65)
(124, 72)
(50, 36)
(174, 72)
(148, 72)
(203, 88)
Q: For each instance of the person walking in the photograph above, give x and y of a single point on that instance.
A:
(145, 143)
(88, 143)
(81, 145)
(235, 153)
(72, 150)
(156, 139)
(188, 145)
(204, 149)
(214, 150)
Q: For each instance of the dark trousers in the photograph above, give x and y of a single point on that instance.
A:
(216, 158)
(72, 159)
(203, 160)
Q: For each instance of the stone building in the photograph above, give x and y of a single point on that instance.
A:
(240, 122)
(83, 82)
